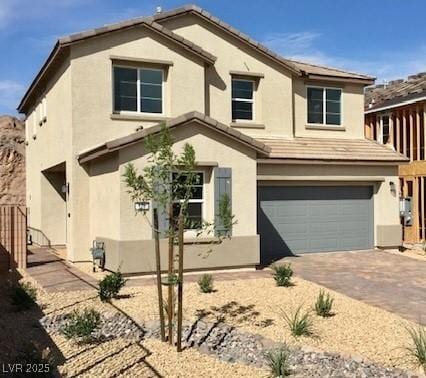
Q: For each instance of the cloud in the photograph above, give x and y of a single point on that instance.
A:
(290, 44)
(385, 65)
(10, 94)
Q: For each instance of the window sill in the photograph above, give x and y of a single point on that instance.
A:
(247, 125)
(137, 117)
(201, 240)
(325, 127)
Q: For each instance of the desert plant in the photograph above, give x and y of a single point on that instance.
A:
(300, 324)
(81, 325)
(282, 274)
(111, 285)
(206, 283)
(324, 304)
(278, 361)
(24, 296)
(418, 347)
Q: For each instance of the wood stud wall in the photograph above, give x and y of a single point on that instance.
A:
(13, 237)
(408, 137)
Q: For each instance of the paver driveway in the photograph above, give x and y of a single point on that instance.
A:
(394, 283)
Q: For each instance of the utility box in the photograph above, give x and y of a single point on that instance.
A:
(405, 211)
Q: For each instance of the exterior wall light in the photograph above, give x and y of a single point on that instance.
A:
(142, 206)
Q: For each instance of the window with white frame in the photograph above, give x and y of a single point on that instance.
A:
(194, 218)
(138, 90)
(242, 99)
(324, 106)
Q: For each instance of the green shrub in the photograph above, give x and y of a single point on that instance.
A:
(206, 283)
(81, 325)
(278, 361)
(300, 324)
(111, 285)
(324, 304)
(24, 296)
(418, 349)
(282, 274)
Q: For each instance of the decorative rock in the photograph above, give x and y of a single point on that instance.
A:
(232, 345)
(113, 325)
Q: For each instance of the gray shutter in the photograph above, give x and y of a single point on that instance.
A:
(222, 185)
(163, 216)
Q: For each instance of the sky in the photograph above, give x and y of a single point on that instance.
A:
(383, 38)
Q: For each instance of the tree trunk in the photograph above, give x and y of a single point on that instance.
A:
(180, 285)
(158, 272)
(170, 306)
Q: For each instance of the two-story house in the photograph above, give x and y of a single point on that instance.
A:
(285, 139)
(395, 115)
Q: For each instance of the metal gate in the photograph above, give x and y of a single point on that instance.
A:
(13, 237)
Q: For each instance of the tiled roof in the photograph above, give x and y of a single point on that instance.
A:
(138, 136)
(321, 149)
(147, 21)
(295, 66)
(396, 92)
(154, 23)
(329, 149)
(314, 69)
(64, 42)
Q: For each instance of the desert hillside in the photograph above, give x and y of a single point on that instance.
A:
(12, 161)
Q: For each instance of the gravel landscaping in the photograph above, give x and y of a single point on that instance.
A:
(236, 323)
(257, 305)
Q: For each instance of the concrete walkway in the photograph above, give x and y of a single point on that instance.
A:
(53, 274)
(394, 283)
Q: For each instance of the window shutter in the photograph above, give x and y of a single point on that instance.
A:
(222, 186)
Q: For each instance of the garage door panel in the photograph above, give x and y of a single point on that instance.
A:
(322, 209)
(314, 219)
(324, 227)
(321, 244)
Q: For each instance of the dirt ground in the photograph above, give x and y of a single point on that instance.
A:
(254, 305)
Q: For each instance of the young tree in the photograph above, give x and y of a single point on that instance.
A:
(167, 181)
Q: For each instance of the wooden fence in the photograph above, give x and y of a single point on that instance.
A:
(13, 237)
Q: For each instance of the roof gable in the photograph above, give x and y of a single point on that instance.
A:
(203, 14)
(154, 23)
(298, 68)
(64, 43)
(184, 119)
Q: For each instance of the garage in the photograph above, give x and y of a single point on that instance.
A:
(303, 219)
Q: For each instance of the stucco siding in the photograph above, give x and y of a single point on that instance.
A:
(386, 204)
(209, 146)
(352, 107)
(48, 144)
(92, 87)
(273, 97)
(138, 256)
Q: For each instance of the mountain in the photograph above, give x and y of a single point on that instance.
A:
(12, 161)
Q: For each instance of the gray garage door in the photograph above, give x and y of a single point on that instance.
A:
(314, 219)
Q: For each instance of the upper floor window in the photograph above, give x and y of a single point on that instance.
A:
(138, 90)
(242, 99)
(324, 105)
